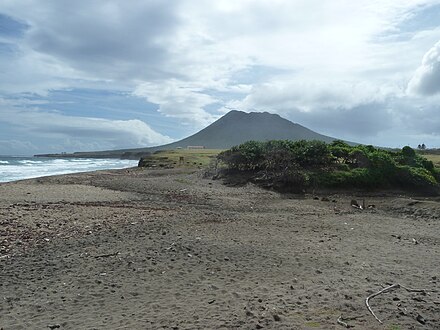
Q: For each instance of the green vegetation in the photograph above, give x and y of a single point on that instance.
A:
(298, 166)
(394, 327)
(186, 158)
(435, 158)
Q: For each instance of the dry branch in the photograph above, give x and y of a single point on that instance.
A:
(384, 290)
(341, 320)
(107, 255)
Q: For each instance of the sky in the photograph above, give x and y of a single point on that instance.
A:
(106, 74)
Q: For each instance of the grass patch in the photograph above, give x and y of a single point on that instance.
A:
(179, 158)
(313, 324)
(433, 158)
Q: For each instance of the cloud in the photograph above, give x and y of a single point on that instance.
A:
(180, 100)
(87, 132)
(112, 39)
(321, 64)
(12, 145)
(422, 116)
(309, 95)
(349, 110)
(426, 79)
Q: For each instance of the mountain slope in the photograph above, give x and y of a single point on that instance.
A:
(232, 129)
(237, 127)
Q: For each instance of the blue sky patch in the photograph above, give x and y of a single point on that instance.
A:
(10, 27)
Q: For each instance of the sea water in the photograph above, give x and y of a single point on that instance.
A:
(17, 168)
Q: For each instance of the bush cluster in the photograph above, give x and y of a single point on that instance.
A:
(300, 165)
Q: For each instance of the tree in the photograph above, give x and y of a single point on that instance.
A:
(408, 152)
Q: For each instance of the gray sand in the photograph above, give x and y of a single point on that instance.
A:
(139, 249)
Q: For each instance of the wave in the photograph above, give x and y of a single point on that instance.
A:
(30, 162)
(32, 168)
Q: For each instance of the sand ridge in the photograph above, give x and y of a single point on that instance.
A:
(140, 249)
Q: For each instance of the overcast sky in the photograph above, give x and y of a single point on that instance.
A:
(91, 74)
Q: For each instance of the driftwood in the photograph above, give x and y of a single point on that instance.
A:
(341, 320)
(384, 290)
(107, 255)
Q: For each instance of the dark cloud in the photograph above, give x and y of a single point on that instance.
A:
(113, 39)
(360, 121)
(423, 119)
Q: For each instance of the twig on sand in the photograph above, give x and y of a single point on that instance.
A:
(107, 255)
(384, 290)
(341, 320)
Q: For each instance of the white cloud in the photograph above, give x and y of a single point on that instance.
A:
(339, 57)
(176, 99)
(92, 133)
(14, 144)
(306, 96)
(426, 79)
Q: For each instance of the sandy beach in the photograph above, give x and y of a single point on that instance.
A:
(170, 249)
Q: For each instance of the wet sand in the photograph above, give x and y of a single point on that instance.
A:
(151, 249)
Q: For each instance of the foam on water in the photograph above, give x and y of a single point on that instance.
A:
(18, 168)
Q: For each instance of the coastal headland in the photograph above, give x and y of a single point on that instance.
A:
(147, 249)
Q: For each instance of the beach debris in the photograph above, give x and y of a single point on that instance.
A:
(385, 290)
(342, 321)
(113, 254)
(171, 247)
(354, 203)
(415, 242)
(211, 301)
(276, 317)
(226, 258)
(418, 299)
(402, 311)
(420, 319)
(54, 326)
(250, 313)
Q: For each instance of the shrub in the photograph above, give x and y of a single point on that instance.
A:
(298, 165)
(414, 177)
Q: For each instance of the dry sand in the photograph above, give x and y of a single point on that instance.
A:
(143, 249)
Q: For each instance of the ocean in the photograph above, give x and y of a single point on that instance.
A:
(17, 168)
